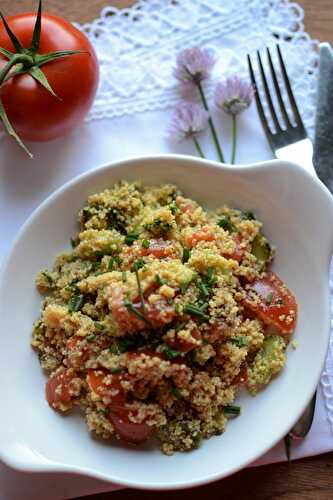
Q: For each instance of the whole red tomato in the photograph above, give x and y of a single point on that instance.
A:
(34, 112)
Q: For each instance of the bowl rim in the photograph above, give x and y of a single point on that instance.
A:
(46, 465)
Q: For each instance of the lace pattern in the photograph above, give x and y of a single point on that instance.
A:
(136, 48)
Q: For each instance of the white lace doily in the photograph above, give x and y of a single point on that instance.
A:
(136, 48)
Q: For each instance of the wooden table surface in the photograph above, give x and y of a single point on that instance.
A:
(308, 479)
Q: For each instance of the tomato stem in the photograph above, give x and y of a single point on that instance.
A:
(16, 59)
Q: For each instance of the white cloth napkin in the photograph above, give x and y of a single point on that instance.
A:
(136, 77)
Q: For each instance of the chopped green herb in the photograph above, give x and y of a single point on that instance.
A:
(111, 264)
(138, 264)
(47, 277)
(124, 276)
(95, 266)
(104, 412)
(240, 341)
(178, 309)
(91, 338)
(118, 369)
(226, 224)
(100, 326)
(74, 242)
(196, 311)
(116, 220)
(130, 238)
(232, 410)
(99, 254)
(269, 298)
(176, 392)
(173, 207)
(261, 249)
(72, 258)
(158, 227)
(76, 302)
(160, 281)
(130, 306)
(114, 349)
(186, 255)
(184, 286)
(145, 243)
(204, 289)
(247, 215)
(170, 353)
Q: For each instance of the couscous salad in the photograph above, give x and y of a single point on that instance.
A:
(159, 314)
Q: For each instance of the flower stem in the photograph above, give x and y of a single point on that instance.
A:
(198, 147)
(234, 139)
(211, 124)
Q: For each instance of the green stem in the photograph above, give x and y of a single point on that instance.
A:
(211, 124)
(234, 139)
(198, 147)
(16, 59)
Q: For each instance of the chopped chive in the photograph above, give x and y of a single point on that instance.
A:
(196, 311)
(184, 286)
(111, 264)
(124, 276)
(142, 299)
(176, 392)
(91, 338)
(95, 265)
(72, 258)
(76, 302)
(203, 289)
(100, 326)
(248, 215)
(138, 264)
(269, 298)
(130, 306)
(226, 224)
(114, 349)
(130, 238)
(232, 410)
(160, 281)
(173, 207)
(171, 353)
(74, 242)
(118, 369)
(186, 255)
(240, 341)
(104, 412)
(145, 243)
(47, 277)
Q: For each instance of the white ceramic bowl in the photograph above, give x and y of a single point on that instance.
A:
(297, 212)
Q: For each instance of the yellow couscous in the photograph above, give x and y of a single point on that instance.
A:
(161, 311)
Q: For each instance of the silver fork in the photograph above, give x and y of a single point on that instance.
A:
(289, 141)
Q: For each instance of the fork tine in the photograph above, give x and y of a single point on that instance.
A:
(258, 100)
(278, 91)
(289, 89)
(268, 94)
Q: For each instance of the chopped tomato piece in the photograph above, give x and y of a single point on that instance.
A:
(159, 248)
(186, 345)
(203, 234)
(118, 413)
(241, 378)
(97, 383)
(128, 431)
(76, 355)
(157, 314)
(270, 300)
(60, 389)
(239, 251)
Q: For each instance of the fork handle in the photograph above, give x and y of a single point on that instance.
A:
(300, 152)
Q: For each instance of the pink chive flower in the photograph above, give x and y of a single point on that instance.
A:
(187, 121)
(233, 95)
(194, 65)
